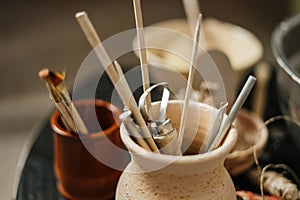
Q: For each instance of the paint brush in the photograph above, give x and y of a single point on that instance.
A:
(59, 92)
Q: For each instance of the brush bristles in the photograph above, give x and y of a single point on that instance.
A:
(44, 73)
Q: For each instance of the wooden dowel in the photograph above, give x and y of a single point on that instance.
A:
(189, 84)
(142, 48)
(122, 89)
(122, 79)
(88, 28)
(119, 69)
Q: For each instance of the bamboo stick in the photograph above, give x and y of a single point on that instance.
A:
(142, 49)
(122, 89)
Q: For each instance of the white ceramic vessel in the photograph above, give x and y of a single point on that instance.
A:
(156, 176)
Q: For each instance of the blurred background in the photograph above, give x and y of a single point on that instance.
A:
(38, 34)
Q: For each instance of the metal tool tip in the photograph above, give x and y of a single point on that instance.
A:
(125, 115)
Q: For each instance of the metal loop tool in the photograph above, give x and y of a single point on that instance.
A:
(163, 132)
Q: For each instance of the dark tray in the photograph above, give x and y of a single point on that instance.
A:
(38, 180)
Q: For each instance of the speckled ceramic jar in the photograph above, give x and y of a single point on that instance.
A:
(156, 176)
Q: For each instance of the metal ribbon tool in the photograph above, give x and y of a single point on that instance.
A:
(163, 132)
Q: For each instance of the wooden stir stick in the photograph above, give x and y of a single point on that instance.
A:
(142, 49)
(122, 89)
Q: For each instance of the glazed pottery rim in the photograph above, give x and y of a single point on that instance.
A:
(220, 152)
(260, 143)
(277, 39)
(57, 128)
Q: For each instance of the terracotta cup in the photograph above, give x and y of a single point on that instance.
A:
(79, 174)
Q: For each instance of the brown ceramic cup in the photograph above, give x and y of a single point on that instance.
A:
(79, 174)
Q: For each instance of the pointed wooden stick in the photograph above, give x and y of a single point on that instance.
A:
(122, 89)
(142, 48)
(189, 84)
